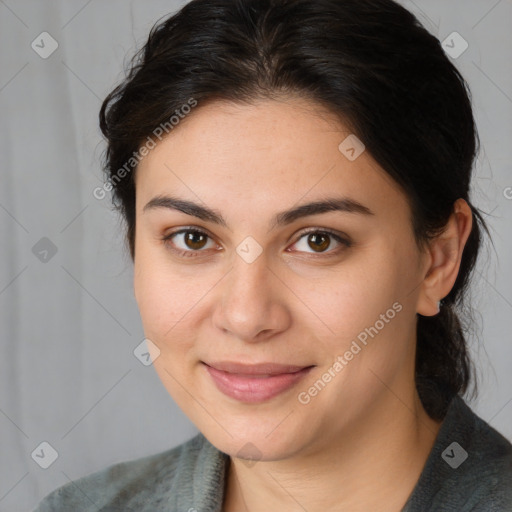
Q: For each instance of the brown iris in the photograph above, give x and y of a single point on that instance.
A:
(195, 240)
(321, 241)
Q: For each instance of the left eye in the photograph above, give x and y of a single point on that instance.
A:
(319, 241)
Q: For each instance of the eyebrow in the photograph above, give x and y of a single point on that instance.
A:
(340, 204)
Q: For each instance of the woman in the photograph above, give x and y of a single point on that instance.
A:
(295, 178)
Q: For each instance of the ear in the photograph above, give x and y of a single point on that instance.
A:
(442, 259)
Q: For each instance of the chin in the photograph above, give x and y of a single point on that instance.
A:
(256, 440)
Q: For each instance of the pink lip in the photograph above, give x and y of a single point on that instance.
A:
(254, 383)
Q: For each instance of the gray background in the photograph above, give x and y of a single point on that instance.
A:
(69, 325)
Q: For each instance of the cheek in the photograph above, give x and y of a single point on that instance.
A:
(170, 297)
(161, 297)
(354, 296)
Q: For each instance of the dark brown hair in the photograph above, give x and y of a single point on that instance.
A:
(373, 64)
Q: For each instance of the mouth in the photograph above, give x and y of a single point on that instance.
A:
(254, 383)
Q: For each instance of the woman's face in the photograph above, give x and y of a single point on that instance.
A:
(263, 286)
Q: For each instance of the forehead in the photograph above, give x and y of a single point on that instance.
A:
(267, 154)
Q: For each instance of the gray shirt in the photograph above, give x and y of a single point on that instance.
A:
(468, 469)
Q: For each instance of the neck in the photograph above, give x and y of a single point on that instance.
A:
(373, 465)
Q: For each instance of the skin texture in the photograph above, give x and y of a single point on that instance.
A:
(362, 441)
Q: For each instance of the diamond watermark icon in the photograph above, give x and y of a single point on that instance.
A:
(351, 147)
(146, 352)
(44, 45)
(455, 45)
(45, 455)
(454, 455)
(249, 249)
(250, 454)
(44, 250)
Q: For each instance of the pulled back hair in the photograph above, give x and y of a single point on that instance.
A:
(370, 62)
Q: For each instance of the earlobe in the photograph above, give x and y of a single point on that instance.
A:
(445, 257)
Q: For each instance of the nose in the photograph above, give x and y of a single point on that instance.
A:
(252, 302)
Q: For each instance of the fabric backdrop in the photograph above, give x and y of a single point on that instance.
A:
(69, 321)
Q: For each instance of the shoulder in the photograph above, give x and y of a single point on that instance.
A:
(488, 477)
(152, 483)
(489, 453)
(469, 468)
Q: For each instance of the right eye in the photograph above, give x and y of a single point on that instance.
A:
(192, 240)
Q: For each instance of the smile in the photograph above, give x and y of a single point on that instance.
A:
(255, 383)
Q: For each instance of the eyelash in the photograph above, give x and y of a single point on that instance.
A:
(191, 253)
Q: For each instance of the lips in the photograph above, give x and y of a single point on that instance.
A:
(255, 382)
(262, 369)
